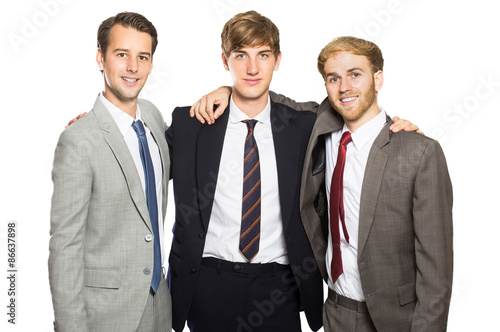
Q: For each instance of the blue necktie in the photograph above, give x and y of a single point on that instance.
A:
(149, 177)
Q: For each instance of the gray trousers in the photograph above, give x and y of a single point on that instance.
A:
(157, 316)
(341, 314)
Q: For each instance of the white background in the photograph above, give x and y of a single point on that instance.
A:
(440, 56)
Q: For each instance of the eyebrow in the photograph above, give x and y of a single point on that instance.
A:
(349, 71)
(127, 50)
(245, 52)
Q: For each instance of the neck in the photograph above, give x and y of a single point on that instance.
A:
(353, 125)
(251, 106)
(127, 106)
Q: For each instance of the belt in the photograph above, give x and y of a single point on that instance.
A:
(246, 268)
(347, 302)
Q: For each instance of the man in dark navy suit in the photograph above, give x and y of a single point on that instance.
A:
(240, 258)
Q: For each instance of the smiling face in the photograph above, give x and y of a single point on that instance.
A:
(252, 70)
(126, 66)
(352, 87)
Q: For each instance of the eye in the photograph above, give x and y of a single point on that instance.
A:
(122, 55)
(143, 58)
(264, 55)
(240, 56)
(356, 74)
(334, 79)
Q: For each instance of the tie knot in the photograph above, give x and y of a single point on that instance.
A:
(250, 123)
(346, 138)
(138, 127)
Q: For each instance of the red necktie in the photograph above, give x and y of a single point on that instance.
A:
(337, 207)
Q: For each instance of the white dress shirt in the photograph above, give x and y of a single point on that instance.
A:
(222, 239)
(349, 284)
(124, 123)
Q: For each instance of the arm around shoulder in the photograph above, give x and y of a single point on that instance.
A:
(306, 106)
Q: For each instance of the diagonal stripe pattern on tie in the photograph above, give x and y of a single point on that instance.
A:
(250, 214)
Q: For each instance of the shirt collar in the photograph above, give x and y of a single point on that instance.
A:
(364, 133)
(123, 120)
(236, 115)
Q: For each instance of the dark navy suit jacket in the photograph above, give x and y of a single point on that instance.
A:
(195, 151)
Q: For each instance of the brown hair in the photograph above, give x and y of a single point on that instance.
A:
(354, 45)
(126, 19)
(250, 29)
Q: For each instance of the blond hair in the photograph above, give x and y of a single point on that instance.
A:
(354, 45)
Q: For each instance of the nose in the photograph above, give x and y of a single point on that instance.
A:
(132, 65)
(252, 67)
(345, 85)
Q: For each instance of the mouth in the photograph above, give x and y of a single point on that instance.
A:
(347, 101)
(252, 81)
(130, 81)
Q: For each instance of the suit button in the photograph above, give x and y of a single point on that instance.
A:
(193, 269)
(201, 235)
(236, 268)
(147, 271)
(149, 237)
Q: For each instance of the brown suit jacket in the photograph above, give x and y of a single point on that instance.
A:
(405, 253)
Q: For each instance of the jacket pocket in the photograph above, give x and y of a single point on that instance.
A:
(407, 294)
(102, 278)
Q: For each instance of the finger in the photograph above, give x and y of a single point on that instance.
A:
(202, 110)
(400, 124)
(75, 119)
(193, 108)
(411, 127)
(197, 112)
(222, 105)
(218, 112)
(209, 109)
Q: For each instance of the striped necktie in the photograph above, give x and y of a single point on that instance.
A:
(250, 215)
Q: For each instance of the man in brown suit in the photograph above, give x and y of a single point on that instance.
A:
(396, 232)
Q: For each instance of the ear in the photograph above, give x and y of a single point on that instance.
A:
(378, 78)
(100, 59)
(224, 61)
(278, 61)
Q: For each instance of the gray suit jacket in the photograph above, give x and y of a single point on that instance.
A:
(101, 247)
(405, 253)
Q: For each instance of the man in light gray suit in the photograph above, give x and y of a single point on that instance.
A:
(110, 191)
(381, 225)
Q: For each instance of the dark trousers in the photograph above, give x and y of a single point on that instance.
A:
(241, 297)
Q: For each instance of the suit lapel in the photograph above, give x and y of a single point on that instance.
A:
(122, 154)
(374, 172)
(286, 139)
(208, 155)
